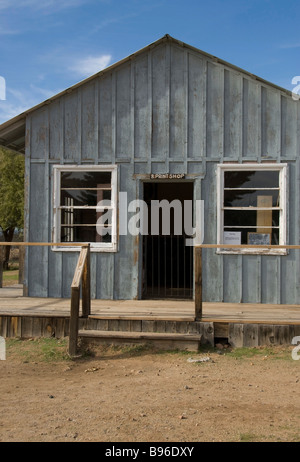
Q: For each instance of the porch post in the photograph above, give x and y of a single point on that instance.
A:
(1, 264)
(198, 282)
(86, 286)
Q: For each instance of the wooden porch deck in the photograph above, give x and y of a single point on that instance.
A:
(12, 303)
(168, 323)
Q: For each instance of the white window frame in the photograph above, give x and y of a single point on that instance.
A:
(94, 246)
(282, 169)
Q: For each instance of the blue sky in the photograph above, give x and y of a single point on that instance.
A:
(47, 46)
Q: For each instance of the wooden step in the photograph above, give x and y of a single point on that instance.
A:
(168, 341)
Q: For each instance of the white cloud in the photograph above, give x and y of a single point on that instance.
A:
(6, 31)
(19, 101)
(291, 45)
(90, 65)
(45, 93)
(9, 110)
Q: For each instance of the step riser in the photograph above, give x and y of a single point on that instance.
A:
(204, 330)
(160, 344)
(116, 325)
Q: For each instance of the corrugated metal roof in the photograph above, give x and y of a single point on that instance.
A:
(12, 132)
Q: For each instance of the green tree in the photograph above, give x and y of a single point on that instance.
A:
(11, 196)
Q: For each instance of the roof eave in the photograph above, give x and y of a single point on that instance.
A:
(20, 120)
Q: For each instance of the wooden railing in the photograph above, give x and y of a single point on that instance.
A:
(81, 280)
(81, 275)
(1, 264)
(198, 265)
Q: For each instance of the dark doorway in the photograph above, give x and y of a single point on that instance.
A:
(167, 261)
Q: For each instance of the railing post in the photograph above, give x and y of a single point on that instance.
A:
(1, 264)
(198, 282)
(86, 286)
(21, 263)
(74, 320)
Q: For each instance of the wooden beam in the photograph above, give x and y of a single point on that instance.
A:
(82, 274)
(203, 246)
(198, 282)
(21, 264)
(74, 320)
(80, 266)
(86, 286)
(1, 264)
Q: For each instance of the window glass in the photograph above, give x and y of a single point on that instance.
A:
(252, 208)
(251, 179)
(86, 208)
(84, 179)
(246, 198)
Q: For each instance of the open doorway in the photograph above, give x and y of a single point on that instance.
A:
(167, 261)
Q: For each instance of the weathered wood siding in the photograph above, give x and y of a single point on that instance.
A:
(169, 109)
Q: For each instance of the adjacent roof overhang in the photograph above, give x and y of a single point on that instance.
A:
(12, 132)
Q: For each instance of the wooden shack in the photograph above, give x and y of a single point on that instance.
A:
(169, 122)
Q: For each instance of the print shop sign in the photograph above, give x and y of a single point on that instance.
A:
(138, 222)
(166, 176)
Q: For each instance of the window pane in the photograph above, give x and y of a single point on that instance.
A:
(85, 216)
(247, 218)
(246, 198)
(85, 197)
(251, 179)
(82, 234)
(85, 179)
(244, 234)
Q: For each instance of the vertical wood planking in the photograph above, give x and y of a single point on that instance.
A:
(68, 267)
(38, 232)
(105, 276)
(270, 279)
(251, 143)
(215, 111)
(89, 123)
(124, 127)
(212, 263)
(39, 134)
(55, 131)
(232, 115)
(251, 279)
(105, 118)
(271, 124)
(27, 210)
(196, 106)
(160, 104)
(72, 127)
(232, 278)
(142, 133)
(178, 96)
(125, 282)
(288, 128)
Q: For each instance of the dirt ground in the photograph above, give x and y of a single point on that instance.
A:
(140, 395)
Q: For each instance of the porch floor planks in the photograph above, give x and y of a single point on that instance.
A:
(13, 304)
